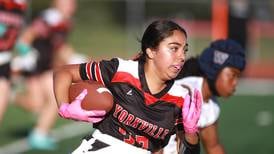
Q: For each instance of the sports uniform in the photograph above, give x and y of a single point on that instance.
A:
(52, 29)
(205, 69)
(138, 117)
(209, 114)
(11, 21)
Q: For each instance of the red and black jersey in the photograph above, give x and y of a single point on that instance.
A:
(138, 117)
(52, 30)
(12, 18)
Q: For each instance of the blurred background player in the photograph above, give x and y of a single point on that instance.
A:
(215, 73)
(11, 22)
(44, 41)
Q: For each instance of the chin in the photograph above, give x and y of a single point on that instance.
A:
(171, 76)
(228, 95)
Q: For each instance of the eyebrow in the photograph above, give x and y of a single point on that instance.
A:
(186, 45)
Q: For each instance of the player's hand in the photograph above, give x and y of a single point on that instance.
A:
(191, 112)
(74, 110)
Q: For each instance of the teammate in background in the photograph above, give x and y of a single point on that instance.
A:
(215, 73)
(44, 40)
(11, 22)
(145, 120)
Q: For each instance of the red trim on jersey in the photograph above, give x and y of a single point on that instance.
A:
(150, 99)
(12, 4)
(11, 19)
(8, 41)
(127, 77)
(88, 70)
(63, 26)
(94, 71)
(98, 73)
(178, 101)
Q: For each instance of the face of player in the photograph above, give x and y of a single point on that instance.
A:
(168, 58)
(227, 81)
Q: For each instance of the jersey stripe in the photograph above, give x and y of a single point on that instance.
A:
(92, 71)
(128, 78)
(88, 70)
(177, 100)
(98, 74)
(95, 72)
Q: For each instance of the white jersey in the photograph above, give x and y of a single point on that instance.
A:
(210, 110)
(209, 114)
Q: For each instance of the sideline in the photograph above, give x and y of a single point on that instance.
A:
(60, 133)
(256, 87)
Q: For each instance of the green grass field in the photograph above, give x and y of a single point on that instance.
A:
(246, 126)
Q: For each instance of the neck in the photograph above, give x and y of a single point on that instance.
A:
(206, 91)
(154, 82)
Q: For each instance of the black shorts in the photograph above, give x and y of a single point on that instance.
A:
(5, 70)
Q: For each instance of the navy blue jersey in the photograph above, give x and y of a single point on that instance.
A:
(138, 117)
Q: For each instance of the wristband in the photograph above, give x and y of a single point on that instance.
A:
(22, 48)
(3, 29)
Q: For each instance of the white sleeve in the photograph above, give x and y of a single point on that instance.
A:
(52, 17)
(209, 114)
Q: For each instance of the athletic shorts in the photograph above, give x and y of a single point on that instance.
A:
(99, 143)
(5, 70)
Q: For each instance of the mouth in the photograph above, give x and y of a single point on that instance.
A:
(177, 67)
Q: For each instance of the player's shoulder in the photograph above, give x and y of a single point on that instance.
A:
(191, 82)
(209, 114)
(126, 64)
(52, 16)
(126, 61)
(120, 62)
(121, 65)
(178, 90)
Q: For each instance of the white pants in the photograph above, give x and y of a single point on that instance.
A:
(171, 147)
(112, 145)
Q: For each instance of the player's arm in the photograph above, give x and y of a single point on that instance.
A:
(62, 79)
(210, 139)
(36, 29)
(188, 143)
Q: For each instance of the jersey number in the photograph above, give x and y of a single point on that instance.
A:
(142, 140)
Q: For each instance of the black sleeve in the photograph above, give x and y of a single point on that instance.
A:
(187, 148)
(102, 71)
(83, 72)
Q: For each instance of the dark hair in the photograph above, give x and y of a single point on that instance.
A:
(190, 68)
(156, 32)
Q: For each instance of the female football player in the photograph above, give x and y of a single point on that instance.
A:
(44, 40)
(215, 73)
(12, 13)
(147, 103)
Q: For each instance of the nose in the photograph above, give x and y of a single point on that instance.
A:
(182, 55)
(235, 82)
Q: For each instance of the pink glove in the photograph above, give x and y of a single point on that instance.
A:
(191, 112)
(74, 110)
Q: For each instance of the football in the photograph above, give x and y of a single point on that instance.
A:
(98, 97)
